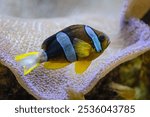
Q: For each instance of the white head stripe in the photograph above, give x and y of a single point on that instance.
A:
(94, 38)
(67, 46)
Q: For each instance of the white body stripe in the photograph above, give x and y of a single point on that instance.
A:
(67, 46)
(94, 38)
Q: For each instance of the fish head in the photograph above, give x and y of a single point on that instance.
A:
(104, 39)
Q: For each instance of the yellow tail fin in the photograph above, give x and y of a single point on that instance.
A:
(22, 56)
(27, 71)
(29, 61)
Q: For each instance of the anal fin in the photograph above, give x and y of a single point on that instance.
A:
(55, 65)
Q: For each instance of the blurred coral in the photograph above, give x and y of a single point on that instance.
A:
(22, 31)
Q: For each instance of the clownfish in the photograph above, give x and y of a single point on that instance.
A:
(78, 44)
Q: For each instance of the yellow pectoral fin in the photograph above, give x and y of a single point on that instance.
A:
(22, 56)
(81, 66)
(27, 71)
(82, 48)
(55, 65)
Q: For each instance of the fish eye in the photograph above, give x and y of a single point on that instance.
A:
(101, 37)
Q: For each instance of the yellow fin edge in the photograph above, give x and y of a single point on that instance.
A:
(27, 71)
(22, 56)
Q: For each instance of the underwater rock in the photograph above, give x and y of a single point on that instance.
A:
(18, 35)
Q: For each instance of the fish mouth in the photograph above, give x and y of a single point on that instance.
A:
(109, 41)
